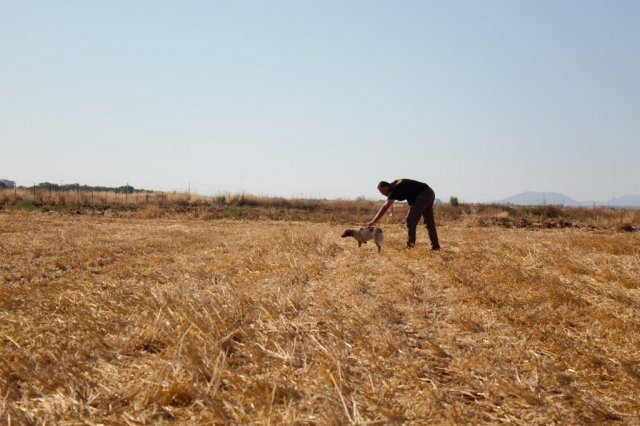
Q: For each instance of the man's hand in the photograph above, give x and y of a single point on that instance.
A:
(368, 225)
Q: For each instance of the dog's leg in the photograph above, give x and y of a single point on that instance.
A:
(378, 240)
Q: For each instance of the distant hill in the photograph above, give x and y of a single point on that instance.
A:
(626, 201)
(531, 198)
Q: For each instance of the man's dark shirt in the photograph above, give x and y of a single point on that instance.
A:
(406, 189)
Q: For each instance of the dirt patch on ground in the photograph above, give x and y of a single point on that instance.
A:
(524, 223)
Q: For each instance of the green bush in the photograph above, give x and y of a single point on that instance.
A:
(25, 205)
(548, 211)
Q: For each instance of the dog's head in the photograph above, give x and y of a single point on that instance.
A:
(347, 233)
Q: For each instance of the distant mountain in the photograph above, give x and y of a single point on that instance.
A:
(626, 201)
(531, 198)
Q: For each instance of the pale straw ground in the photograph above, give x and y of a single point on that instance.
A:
(138, 321)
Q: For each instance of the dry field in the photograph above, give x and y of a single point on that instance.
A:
(123, 320)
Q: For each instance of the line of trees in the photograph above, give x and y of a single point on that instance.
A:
(48, 186)
(7, 184)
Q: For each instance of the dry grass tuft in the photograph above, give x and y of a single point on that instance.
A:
(181, 318)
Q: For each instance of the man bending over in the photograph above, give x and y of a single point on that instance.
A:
(420, 198)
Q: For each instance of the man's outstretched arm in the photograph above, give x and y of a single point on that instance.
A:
(380, 213)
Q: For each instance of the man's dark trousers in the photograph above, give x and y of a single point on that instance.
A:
(423, 207)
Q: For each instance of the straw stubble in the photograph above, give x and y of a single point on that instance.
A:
(157, 320)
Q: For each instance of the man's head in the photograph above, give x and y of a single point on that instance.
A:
(384, 187)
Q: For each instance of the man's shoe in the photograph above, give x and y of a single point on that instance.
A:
(437, 248)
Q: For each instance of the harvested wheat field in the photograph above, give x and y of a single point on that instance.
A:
(183, 320)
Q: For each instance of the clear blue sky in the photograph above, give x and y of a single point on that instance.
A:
(480, 99)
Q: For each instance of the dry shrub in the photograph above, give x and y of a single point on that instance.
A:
(151, 212)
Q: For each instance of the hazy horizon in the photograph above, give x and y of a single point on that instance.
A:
(481, 100)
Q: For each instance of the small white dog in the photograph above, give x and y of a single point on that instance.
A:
(363, 235)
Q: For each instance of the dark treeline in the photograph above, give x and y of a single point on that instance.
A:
(48, 186)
